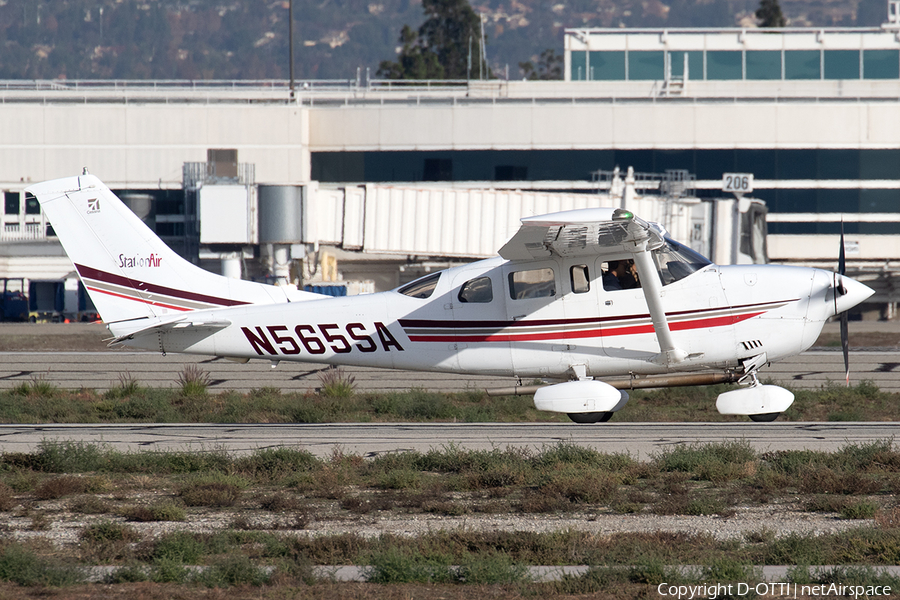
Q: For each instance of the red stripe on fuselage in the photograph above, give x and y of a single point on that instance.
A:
(587, 333)
(137, 299)
(450, 324)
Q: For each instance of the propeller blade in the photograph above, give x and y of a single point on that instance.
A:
(845, 328)
(845, 344)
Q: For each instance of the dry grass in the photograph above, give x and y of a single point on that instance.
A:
(215, 494)
(58, 487)
(824, 480)
(888, 518)
(280, 502)
(275, 493)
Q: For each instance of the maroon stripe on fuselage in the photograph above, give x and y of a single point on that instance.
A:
(470, 324)
(587, 333)
(97, 274)
(413, 323)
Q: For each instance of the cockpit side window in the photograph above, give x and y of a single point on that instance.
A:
(476, 290)
(580, 279)
(620, 275)
(676, 261)
(535, 283)
(422, 287)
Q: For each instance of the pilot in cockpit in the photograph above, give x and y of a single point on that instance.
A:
(620, 275)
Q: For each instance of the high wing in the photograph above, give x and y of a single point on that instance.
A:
(584, 232)
(599, 232)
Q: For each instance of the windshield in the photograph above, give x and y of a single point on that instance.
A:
(676, 261)
(422, 287)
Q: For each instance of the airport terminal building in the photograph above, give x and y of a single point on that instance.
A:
(812, 114)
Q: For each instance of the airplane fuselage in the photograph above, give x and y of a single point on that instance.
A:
(718, 315)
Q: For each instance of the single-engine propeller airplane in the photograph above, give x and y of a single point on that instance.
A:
(581, 297)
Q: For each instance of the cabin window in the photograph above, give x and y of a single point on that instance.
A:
(476, 290)
(580, 279)
(536, 283)
(620, 275)
(676, 261)
(422, 287)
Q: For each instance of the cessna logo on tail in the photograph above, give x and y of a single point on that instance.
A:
(130, 262)
(93, 206)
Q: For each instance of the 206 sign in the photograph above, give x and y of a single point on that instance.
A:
(320, 338)
(737, 183)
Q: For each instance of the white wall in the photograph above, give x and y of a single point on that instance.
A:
(145, 145)
(606, 125)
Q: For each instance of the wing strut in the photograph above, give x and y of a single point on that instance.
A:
(650, 284)
(639, 238)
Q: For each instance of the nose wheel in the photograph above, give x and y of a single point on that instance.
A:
(762, 403)
(764, 418)
(593, 417)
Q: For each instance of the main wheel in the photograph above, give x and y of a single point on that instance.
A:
(593, 417)
(764, 418)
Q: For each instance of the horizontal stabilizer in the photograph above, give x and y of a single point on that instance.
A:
(183, 323)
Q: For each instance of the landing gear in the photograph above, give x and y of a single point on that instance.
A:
(593, 417)
(762, 403)
(764, 418)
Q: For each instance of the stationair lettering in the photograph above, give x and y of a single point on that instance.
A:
(319, 338)
(130, 262)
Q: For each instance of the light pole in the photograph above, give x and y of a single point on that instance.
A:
(291, 43)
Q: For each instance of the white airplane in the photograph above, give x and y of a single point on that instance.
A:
(543, 309)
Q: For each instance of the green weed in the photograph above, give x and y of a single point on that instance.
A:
(129, 574)
(859, 509)
(212, 490)
(232, 570)
(26, 569)
(335, 382)
(178, 548)
(392, 566)
(162, 511)
(497, 569)
(169, 571)
(193, 380)
(126, 386)
(89, 505)
(711, 462)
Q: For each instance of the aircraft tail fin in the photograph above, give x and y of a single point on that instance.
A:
(128, 271)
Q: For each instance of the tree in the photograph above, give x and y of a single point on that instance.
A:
(550, 66)
(414, 61)
(769, 14)
(445, 46)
